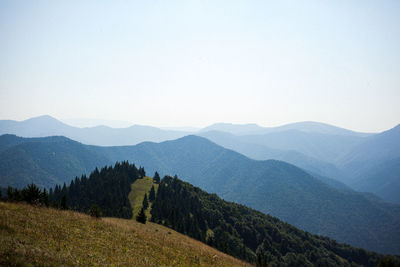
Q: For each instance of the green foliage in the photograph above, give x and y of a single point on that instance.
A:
(246, 233)
(145, 203)
(389, 261)
(95, 211)
(141, 216)
(157, 177)
(30, 194)
(152, 194)
(142, 172)
(64, 204)
(108, 188)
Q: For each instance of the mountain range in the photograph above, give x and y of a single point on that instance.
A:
(363, 161)
(270, 186)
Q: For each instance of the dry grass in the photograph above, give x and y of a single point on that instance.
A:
(138, 189)
(34, 236)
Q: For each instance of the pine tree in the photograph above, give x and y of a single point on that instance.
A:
(152, 194)
(145, 202)
(31, 194)
(156, 178)
(142, 172)
(64, 202)
(141, 216)
(44, 197)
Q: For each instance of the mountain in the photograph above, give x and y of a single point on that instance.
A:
(34, 236)
(237, 129)
(374, 165)
(262, 152)
(98, 135)
(306, 126)
(367, 164)
(325, 147)
(271, 186)
(44, 161)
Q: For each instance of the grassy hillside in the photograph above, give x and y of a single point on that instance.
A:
(138, 189)
(37, 236)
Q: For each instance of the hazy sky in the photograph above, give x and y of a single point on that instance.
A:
(175, 63)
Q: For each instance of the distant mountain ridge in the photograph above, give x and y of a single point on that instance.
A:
(305, 126)
(358, 160)
(99, 135)
(274, 187)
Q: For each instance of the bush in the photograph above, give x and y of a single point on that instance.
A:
(95, 211)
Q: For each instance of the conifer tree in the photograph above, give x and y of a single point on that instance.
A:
(145, 202)
(64, 202)
(156, 178)
(152, 194)
(141, 216)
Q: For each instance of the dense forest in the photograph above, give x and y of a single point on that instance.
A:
(107, 188)
(246, 233)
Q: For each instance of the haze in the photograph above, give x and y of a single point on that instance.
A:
(193, 63)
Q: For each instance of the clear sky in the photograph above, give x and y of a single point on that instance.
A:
(193, 63)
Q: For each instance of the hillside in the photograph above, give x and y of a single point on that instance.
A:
(231, 228)
(45, 161)
(67, 238)
(272, 187)
(138, 189)
(373, 165)
(261, 152)
(246, 233)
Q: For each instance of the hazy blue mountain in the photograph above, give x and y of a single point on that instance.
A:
(99, 135)
(45, 161)
(367, 164)
(87, 122)
(262, 152)
(374, 165)
(325, 147)
(306, 126)
(237, 129)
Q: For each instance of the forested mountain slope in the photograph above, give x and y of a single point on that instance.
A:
(273, 187)
(246, 233)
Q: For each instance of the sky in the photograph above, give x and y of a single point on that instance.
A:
(194, 63)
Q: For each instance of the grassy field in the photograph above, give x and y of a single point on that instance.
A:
(138, 189)
(37, 236)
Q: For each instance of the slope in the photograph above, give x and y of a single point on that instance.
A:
(273, 187)
(374, 165)
(247, 233)
(138, 189)
(262, 152)
(44, 161)
(66, 238)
